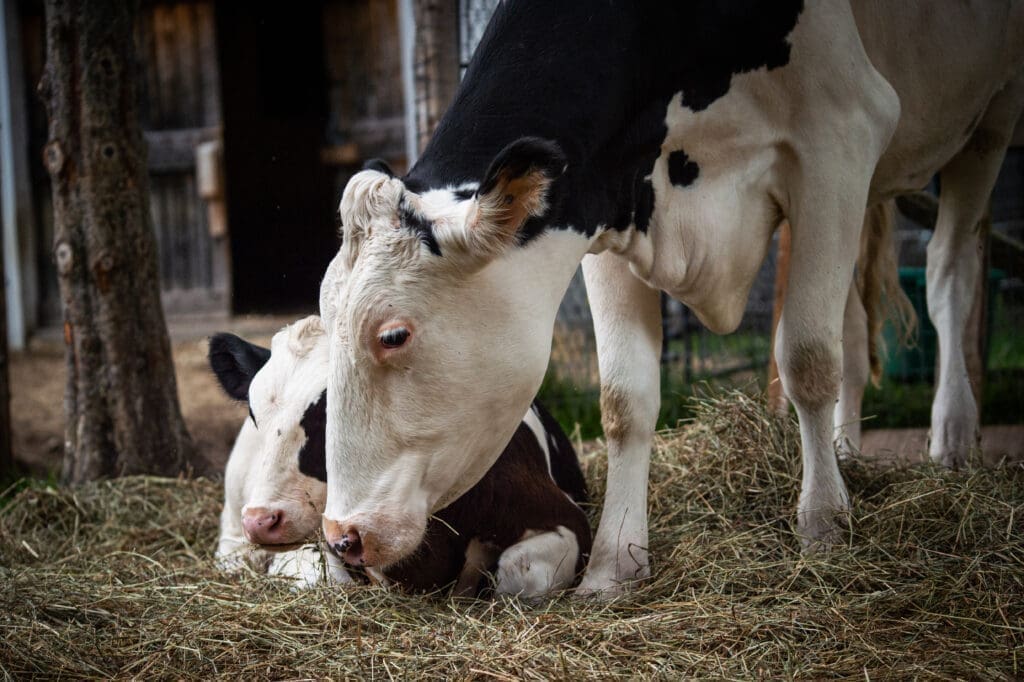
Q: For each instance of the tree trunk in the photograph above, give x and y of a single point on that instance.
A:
(121, 399)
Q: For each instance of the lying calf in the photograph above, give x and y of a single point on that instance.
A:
(521, 521)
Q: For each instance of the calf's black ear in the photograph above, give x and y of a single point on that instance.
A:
(235, 361)
(380, 166)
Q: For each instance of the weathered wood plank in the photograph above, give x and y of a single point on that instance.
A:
(165, 67)
(363, 72)
(209, 69)
(175, 150)
(187, 61)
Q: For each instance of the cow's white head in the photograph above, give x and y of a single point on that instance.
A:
(439, 321)
(285, 388)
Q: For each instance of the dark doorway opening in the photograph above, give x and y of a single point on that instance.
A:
(280, 195)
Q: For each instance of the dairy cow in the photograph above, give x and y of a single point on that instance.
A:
(521, 521)
(660, 144)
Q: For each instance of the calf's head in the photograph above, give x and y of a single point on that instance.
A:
(439, 318)
(285, 390)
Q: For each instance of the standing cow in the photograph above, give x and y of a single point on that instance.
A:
(660, 144)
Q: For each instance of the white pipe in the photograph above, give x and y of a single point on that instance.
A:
(407, 45)
(8, 194)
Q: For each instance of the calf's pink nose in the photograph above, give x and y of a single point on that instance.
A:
(263, 526)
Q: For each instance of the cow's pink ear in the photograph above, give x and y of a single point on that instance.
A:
(517, 186)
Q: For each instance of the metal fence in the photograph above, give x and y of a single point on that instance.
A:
(690, 353)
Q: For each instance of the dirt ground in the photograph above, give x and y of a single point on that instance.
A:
(37, 412)
(213, 419)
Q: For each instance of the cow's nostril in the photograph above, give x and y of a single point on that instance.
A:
(262, 525)
(350, 547)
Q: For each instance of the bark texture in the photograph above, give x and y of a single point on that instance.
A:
(121, 399)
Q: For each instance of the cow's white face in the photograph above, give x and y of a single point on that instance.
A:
(286, 488)
(440, 331)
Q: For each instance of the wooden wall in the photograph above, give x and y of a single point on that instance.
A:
(301, 95)
(179, 108)
(364, 84)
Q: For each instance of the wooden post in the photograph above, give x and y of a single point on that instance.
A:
(121, 399)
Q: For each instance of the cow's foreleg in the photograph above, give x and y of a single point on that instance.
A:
(627, 326)
(856, 368)
(809, 349)
(953, 268)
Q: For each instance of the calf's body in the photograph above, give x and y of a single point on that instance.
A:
(521, 522)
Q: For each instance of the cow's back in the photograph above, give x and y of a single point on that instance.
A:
(945, 60)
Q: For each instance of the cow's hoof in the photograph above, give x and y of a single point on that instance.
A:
(950, 443)
(594, 589)
(598, 584)
(821, 530)
(953, 460)
(954, 431)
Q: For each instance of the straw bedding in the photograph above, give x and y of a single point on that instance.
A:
(116, 579)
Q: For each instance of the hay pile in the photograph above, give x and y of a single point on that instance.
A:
(116, 578)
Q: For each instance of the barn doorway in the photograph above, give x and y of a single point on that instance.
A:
(280, 196)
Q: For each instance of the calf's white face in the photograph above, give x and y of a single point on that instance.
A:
(440, 331)
(286, 487)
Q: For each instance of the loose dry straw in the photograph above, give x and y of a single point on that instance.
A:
(116, 578)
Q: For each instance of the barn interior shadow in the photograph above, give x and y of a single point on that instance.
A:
(280, 194)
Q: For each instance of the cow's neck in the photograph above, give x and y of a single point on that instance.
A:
(606, 115)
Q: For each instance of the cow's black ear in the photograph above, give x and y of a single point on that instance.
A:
(517, 184)
(380, 166)
(235, 361)
(521, 158)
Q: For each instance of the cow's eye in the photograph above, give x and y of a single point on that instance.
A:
(394, 338)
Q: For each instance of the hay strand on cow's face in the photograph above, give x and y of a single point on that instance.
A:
(117, 578)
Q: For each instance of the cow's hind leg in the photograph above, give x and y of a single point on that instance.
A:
(953, 268)
(856, 368)
(627, 325)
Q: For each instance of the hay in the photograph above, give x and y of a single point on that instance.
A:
(116, 579)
